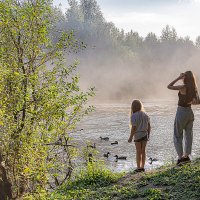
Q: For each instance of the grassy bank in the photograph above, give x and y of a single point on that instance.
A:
(169, 182)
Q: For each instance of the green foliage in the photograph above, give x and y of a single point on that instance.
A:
(93, 177)
(41, 101)
(178, 182)
(166, 183)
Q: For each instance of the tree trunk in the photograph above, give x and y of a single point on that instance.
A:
(5, 186)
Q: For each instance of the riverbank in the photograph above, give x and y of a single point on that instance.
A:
(168, 182)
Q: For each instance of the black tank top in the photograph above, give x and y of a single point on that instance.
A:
(183, 102)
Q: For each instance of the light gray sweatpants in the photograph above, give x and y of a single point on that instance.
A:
(183, 121)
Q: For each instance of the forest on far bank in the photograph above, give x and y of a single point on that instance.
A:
(122, 65)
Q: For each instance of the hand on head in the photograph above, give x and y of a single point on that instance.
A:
(181, 76)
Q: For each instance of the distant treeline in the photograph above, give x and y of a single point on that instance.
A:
(123, 64)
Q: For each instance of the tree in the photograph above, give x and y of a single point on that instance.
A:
(169, 34)
(91, 11)
(197, 43)
(74, 16)
(151, 38)
(41, 101)
(133, 40)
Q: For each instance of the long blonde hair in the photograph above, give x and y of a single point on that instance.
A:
(136, 106)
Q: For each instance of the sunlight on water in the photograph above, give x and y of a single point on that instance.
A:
(112, 120)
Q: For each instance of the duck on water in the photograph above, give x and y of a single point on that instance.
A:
(104, 138)
(120, 157)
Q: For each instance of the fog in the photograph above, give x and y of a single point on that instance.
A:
(120, 81)
(125, 66)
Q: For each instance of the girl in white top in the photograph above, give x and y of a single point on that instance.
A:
(140, 130)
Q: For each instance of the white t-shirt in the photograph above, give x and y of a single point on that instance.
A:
(140, 120)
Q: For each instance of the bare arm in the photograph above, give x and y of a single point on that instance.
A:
(133, 129)
(149, 130)
(178, 87)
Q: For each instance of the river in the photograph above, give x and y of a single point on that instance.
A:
(112, 120)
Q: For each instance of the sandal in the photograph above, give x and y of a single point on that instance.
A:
(186, 159)
(179, 162)
(139, 170)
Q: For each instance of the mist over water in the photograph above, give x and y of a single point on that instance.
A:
(143, 74)
(124, 66)
(119, 81)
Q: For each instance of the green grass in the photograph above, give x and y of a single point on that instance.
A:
(178, 183)
(169, 182)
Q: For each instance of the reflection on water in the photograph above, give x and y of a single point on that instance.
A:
(112, 120)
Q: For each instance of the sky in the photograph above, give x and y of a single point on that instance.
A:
(146, 16)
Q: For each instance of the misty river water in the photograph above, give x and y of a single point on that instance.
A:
(112, 120)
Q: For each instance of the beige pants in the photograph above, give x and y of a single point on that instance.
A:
(183, 122)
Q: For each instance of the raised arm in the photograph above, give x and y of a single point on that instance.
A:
(171, 86)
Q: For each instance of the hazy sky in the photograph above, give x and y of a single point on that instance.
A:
(146, 16)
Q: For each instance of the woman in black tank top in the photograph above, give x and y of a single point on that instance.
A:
(184, 115)
(183, 102)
